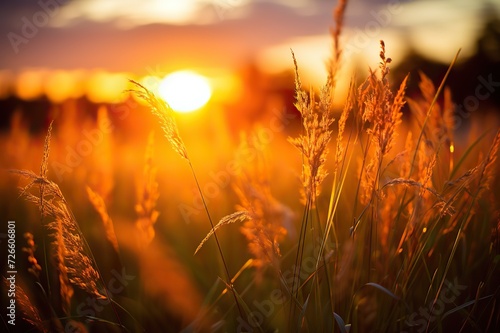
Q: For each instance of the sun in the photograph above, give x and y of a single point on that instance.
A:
(185, 91)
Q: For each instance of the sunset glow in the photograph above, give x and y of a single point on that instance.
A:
(185, 91)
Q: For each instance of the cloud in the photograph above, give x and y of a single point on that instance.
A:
(131, 13)
(438, 28)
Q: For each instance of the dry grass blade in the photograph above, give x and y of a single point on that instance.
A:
(165, 115)
(232, 218)
(98, 202)
(466, 176)
(411, 182)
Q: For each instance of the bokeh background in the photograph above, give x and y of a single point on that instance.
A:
(70, 61)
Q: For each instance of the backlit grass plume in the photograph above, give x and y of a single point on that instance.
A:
(405, 239)
(66, 232)
(147, 196)
(489, 166)
(70, 247)
(264, 231)
(231, 218)
(317, 118)
(165, 116)
(381, 108)
(98, 202)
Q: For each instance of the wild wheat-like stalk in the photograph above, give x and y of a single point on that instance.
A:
(348, 106)
(65, 288)
(438, 133)
(429, 112)
(101, 177)
(404, 170)
(98, 203)
(440, 122)
(74, 266)
(148, 195)
(229, 219)
(367, 182)
(80, 267)
(465, 177)
(41, 204)
(381, 112)
(413, 183)
(265, 230)
(489, 169)
(486, 175)
(317, 118)
(165, 116)
(336, 31)
(381, 108)
(334, 63)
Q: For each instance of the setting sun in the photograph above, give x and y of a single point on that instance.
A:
(185, 91)
(250, 166)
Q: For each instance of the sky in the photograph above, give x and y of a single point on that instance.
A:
(158, 36)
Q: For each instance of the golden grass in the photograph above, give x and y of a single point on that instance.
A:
(231, 218)
(317, 117)
(408, 211)
(99, 205)
(264, 231)
(30, 249)
(165, 116)
(74, 267)
(71, 248)
(147, 196)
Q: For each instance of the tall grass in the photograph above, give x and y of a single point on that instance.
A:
(397, 230)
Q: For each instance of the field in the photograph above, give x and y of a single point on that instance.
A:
(382, 215)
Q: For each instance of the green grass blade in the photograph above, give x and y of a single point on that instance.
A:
(466, 153)
(340, 323)
(383, 289)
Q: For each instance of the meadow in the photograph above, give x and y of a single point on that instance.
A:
(383, 216)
